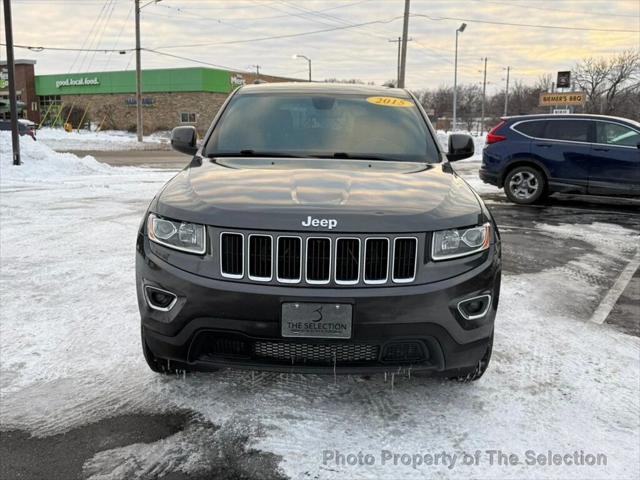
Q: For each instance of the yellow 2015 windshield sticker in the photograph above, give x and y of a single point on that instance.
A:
(390, 102)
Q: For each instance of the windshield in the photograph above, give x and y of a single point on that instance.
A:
(325, 126)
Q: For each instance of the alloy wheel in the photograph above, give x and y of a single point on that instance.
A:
(524, 185)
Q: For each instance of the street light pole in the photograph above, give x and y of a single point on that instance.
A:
(484, 96)
(13, 106)
(308, 62)
(506, 93)
(460, 29)
(403, 52)
(257, 67)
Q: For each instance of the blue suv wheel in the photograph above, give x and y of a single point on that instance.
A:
(525, 185)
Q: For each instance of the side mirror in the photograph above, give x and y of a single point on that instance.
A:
(460, 146)
(183, 140)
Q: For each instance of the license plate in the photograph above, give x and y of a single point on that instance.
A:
(316, 320)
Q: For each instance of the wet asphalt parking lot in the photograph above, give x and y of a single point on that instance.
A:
(527, 249)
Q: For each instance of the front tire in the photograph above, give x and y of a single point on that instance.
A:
(525, 185)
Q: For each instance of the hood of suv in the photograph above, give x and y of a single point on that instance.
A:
(286, 194)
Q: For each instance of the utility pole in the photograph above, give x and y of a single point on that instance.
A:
(403, 52)
(506, 93)
(257, 67)
(399, 42)
(484, 96)
(139, 125)
(459, 30)
(15, 140)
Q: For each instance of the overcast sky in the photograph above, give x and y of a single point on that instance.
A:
(231, 33)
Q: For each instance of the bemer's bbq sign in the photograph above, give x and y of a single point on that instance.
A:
(563, 98)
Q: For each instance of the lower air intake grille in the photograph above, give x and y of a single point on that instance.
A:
(316, 353)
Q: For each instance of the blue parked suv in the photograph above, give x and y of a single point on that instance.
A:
(532, 156)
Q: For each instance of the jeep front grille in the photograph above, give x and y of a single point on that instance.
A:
(310, 259)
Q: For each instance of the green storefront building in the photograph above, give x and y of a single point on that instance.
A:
(170, 97)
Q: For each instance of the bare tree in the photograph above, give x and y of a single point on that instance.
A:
(544, 83)
(609, 82)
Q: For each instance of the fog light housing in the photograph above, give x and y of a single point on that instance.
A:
(474, 308)
(159, 299)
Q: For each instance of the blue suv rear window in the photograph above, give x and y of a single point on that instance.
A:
(531, 128)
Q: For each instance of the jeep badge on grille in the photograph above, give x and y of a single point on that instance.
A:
(329, 223)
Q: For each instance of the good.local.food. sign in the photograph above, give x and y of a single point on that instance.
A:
(77, 82)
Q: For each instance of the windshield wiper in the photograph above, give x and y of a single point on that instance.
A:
(253, 153)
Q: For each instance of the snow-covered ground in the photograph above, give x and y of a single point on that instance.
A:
(63, 141)
(70, 355)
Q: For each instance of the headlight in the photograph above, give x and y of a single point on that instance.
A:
(188, 237)
(460, 242)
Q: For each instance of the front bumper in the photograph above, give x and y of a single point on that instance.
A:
(223, 323)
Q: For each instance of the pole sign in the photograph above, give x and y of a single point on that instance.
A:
(564, 80)
(562, 99)
(4, 78)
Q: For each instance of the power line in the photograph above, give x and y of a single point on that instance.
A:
(115, 44)
(150, 50)
(277, 37)
(37, 48)
(101, 34)
(551, 9)
(555, 27)
(89, 33)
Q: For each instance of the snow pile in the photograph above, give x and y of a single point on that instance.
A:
(59, 139)
(41, 163)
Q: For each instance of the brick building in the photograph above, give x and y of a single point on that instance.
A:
(25, 89)
(170, 97)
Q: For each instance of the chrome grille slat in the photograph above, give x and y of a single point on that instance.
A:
(328, 259)
(347, 265)
(231, 254)
(318, 265)
(260, 258)
(289, 259)
(404, 259)
(376, 260)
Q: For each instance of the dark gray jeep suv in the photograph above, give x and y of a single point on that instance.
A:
(319, 228)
